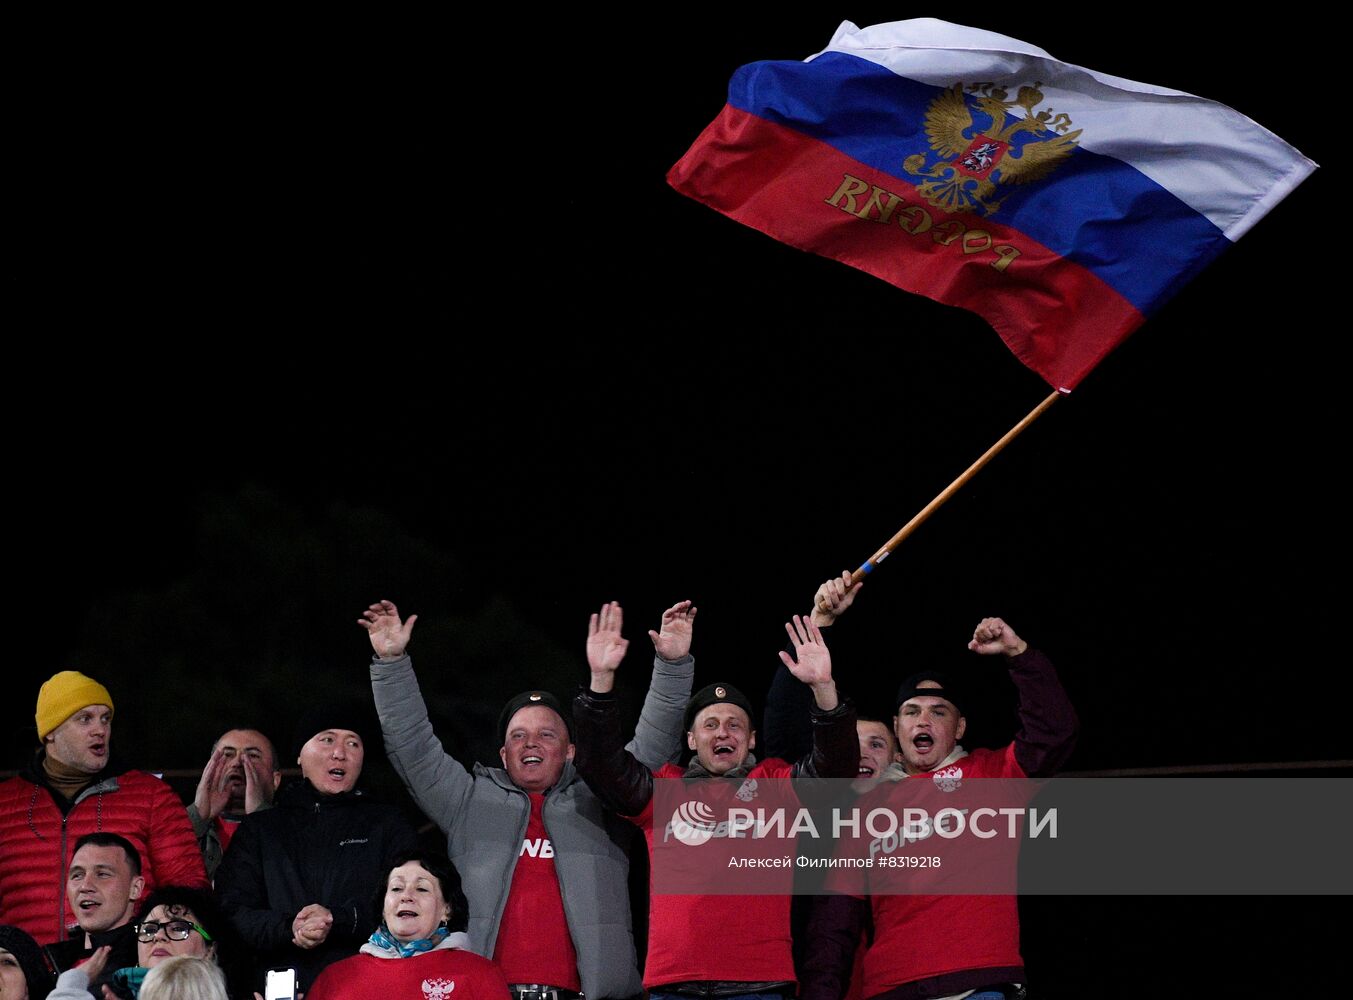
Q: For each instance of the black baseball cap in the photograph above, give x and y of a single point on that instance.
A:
(948, 689)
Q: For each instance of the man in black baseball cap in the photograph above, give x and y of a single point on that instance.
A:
(928, 721)
(925, 945)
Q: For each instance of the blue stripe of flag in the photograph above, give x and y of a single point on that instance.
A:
(1098, 211)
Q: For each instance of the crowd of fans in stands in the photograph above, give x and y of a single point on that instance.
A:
(111, 887)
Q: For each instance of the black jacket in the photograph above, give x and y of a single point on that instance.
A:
(67, 954)
(309, 848)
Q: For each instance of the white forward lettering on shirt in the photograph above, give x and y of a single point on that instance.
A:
(537, 848)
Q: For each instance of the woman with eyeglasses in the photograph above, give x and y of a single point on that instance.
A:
(419, 949)
(174, 921)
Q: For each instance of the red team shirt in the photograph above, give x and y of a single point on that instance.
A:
(225, 829)
(699, 938)
(917, 937)
(534, 945)
(446, 974)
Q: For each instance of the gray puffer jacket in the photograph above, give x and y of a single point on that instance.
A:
(484, 816)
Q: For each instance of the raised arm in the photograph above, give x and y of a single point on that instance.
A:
(834, 598)
(616, 777)
(436, 780)
(1047, 719)
(786, 732)
(835, 752)
(658, 737)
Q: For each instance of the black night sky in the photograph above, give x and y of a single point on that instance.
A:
(327, 313)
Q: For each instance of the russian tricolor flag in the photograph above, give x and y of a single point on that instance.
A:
(1062, 205)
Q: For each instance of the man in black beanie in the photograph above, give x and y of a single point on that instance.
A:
(296, 880)
(746, 949)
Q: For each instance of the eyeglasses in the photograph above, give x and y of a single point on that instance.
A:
(175, 930)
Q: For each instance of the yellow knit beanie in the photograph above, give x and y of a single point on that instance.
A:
(63, 695)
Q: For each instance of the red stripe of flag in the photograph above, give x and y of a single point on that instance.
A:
(1057, 317)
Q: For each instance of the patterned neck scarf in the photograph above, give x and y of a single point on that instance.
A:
(130, 980)
(382, 941)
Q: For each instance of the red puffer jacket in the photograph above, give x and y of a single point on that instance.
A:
(36, 843)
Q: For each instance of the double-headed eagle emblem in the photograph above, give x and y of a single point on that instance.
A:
(1011, 150)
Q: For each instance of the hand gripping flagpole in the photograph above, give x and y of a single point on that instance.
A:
(950, 490)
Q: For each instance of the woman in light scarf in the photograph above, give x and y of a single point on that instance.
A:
(419, 948)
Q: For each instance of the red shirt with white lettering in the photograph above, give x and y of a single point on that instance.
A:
(533, 940)
(920, 937)
(738, 939)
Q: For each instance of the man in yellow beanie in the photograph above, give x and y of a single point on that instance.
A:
(75, 716)
(72, 788)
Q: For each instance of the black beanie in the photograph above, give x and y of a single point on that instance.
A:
(525, 700)
(353, 717)
(715, 694)
(29, 956)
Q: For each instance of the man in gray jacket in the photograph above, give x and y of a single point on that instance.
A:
(545, 866)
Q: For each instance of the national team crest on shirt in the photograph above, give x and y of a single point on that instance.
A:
(981, 145)
(747, 791)
(948, 779)
(438, 989)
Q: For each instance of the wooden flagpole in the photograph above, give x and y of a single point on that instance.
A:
(950, 490)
